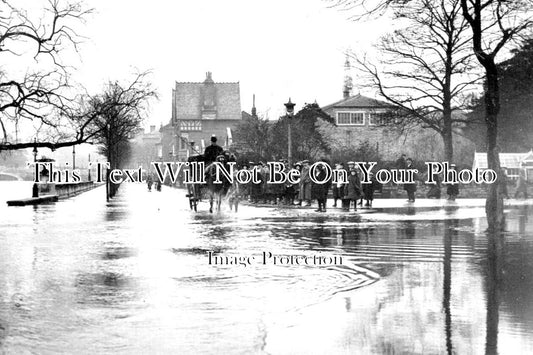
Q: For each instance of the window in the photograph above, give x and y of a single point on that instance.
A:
(209, 115)
(190, 125)
(377, 118)
(351, 118)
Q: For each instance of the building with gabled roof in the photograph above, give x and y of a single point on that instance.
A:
(360, 118)
(199, 111)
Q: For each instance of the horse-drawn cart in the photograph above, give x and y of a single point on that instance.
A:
(212, 191)
(195, 191)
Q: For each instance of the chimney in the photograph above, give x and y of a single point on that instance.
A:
(208, 77)
(152, 129)
(348, 84)
(254, 111)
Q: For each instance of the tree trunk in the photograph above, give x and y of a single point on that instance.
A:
(448, 144)
(447, 104)
(494, 203)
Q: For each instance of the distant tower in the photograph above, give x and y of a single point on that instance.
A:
(348, 85)
(254, 110)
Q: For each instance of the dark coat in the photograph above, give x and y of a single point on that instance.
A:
(434, 190)
(452, 190)
(212, 152)
(352, 190)
(368, 189)
(320, 191)
(411, 187)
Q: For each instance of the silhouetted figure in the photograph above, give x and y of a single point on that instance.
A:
(213, 151)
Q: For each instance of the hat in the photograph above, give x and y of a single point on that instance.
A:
(251, 163)
(221, 157)
(351, 163)
(213, 138)
(305, 161)
(409, 159)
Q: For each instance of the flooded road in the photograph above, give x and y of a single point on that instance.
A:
(133, 276)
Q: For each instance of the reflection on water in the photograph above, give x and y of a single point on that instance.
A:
(131, 276)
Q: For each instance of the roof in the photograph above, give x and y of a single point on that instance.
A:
(187, 100)
(358, 101)
(507, 160)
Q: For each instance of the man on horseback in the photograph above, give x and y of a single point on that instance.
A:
(213, 151)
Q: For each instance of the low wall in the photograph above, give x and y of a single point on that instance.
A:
(66, 190)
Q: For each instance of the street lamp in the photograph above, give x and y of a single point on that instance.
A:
(73, 157)
(89, 168)
(289, 107)
(35, 188)
(190, 149)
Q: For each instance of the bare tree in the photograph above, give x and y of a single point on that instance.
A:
(38, 96)
(425, 68)
(495, 24)
(117, 116)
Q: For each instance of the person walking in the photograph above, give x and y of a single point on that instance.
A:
(296, 187)
(352, 190)
(319, 191)
(305, 184)
(434, 189)
(452, 190)
(338, 188)
(345, 200)
(505, 179)
(401, 163)
(521, 184)
(368, 190)
(411, 186)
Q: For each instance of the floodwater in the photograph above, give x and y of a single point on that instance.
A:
(133, 276)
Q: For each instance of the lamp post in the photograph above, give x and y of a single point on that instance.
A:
(89, 168)
(35, 188)
(73, 157)
(289, 107)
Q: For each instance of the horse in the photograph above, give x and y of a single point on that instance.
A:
(216, 191)
(234, 194)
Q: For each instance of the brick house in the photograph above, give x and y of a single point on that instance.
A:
(199, 110)
(359, 118)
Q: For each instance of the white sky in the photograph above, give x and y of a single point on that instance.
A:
(276, 49)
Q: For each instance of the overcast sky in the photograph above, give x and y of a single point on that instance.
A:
(276, 49)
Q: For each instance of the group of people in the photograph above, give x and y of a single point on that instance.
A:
(350, 193)
(452, 190)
